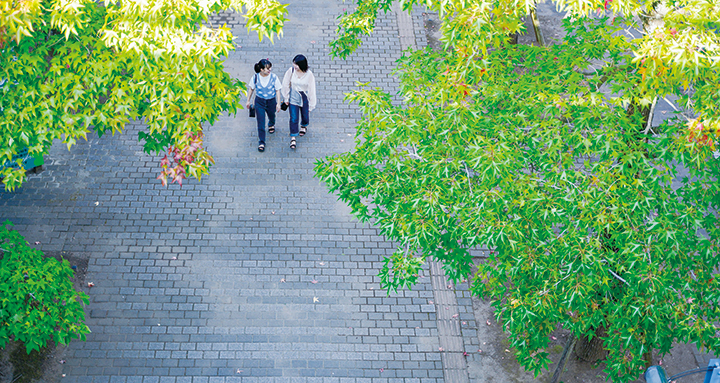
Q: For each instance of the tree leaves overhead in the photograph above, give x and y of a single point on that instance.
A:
(544, 155)
(72, 66)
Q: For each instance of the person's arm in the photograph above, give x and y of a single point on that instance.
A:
(251, 92)
(286, 86)
(312, 98)
(278, 92)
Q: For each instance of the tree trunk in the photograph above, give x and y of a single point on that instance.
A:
(592, 350)
(569, 346)
(648, 358)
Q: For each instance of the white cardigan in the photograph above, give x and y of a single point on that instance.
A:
(305, 84)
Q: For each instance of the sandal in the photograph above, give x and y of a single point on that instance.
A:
(271, 129)
(293, 143)
(261, 147)
(303, 130)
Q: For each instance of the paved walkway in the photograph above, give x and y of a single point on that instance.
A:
(256, 273)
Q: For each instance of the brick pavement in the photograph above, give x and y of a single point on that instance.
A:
(255, 273)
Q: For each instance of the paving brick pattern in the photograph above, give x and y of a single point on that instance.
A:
(254, 274)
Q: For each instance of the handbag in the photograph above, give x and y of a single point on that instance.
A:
(283, 106)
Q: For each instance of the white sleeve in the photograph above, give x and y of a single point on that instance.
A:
(251, 84)
(286, 85)
(312, 97)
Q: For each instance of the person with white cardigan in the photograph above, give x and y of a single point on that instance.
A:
(298, 91)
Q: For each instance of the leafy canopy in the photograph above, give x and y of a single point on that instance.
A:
(545, 155)
(38, 304)
(69, 66)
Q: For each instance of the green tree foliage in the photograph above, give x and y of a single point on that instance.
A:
(38, 303)
(544, 155)
(69, 66)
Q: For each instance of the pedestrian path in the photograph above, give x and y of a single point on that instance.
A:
(255, 273)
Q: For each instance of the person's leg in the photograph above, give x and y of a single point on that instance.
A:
(260, 115)
(294, 117)
(305, 121)
(271, 105)
(305, 115)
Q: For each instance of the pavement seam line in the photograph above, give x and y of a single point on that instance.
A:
(405, 28)
(448, 325)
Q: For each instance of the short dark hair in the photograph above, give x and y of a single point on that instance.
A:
(262, 64)
(301, 62)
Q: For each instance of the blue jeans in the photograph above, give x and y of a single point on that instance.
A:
(303, 112)
(263, 106)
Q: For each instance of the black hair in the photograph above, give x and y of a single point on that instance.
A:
(262, 64)
(301, 62)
